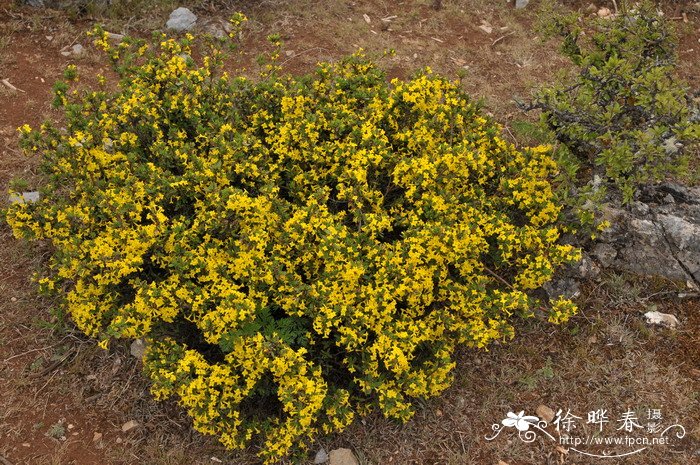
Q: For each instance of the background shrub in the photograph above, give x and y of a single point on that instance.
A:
(625, 115)
(296, 250)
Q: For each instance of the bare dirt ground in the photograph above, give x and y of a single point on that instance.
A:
(64, 401)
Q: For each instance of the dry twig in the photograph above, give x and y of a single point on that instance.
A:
(501, 38)
(7, 84)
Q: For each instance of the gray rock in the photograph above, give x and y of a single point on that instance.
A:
(521, 3)
(680, 193)
(640, 208)
(321, 457)
(138, 348)
(342, 457)
(605, 254)
(181, 19)
(24, 197)
(617, 218)
(655, 239)
(587, 269)
(682, 233)
(567, 287)
(75, 50)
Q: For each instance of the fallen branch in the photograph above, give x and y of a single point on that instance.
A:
(6, 82)
(492, 273)
(52, 366)
(29, 352)
(501, 38)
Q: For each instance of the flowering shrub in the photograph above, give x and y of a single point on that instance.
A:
(296, 250)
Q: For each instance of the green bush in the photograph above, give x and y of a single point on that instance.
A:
(295, 250)
(625, 115)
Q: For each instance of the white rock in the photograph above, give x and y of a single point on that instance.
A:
(321, 457)
(604, 12)
(521, 3)
(75, 50)
(24, 197)
(663, 319)
(342, 457)
(486, 27)
(181, 19)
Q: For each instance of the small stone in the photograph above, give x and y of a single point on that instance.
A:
(671, 146)
(216, 459)
(604, 253)
(26, 444)
(668, 199)
(545, 413)
(181, 19)
(115, 37)
(96, 437)
(13, 299)
(640, 208)
(587, 269)
(71, 426)
(342, 457)
(486, 27)
(119, 440)
(129, 425)
(75, 50)
(604, 12)
(24, 197)
(521, 4)
(564, 287)
(662, 319)
(138, 348)
(321, 457)
(216, 29)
